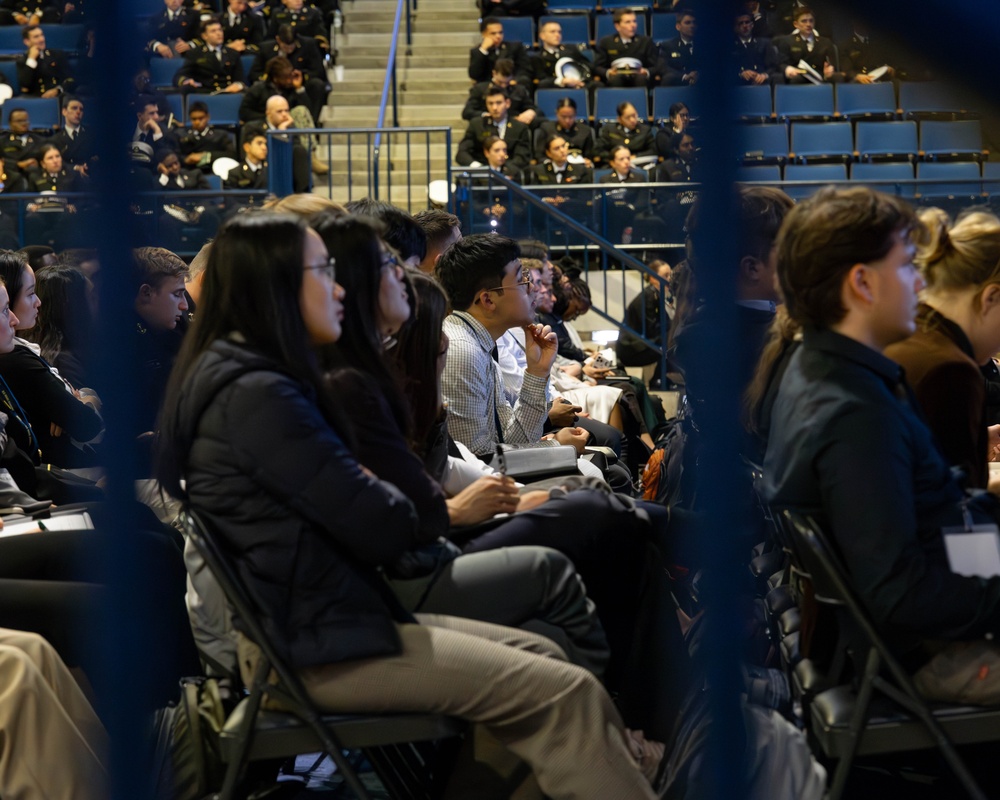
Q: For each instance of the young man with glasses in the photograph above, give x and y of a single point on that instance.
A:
(491, 292)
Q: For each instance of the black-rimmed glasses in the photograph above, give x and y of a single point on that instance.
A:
(525, 281)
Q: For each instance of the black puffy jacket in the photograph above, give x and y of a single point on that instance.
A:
(304, 525)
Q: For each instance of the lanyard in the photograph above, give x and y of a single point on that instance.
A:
(10, 403)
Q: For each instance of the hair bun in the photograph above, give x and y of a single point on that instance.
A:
(937, 238)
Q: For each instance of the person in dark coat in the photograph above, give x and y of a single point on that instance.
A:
(496, 122)
(243, 30)
(170, 32)
(678, 65)
(551, 51)
(40, 71)
(754, 60)
(578, 135)
(306, 60)
(211, 67)
(483, 59)
(629, 130)
(522, 101)
(804, 45)
(625, 44)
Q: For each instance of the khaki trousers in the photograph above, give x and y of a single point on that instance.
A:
(553, 715)
(962, 672)
(51, 741)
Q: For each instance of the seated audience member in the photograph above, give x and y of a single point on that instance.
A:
(806, 45)
(65, 329)
(43, 711)
(668, 138)
(610, 558)
(762, 210)
(614, 55)
(335, 507)
(160, 303)
(863, 53)
(305, 21)
(467, 585)
(278, 117)
(442, 230)
(11, 182)
(488, 198)
(512, 8)
(19, 144)
(171, 31)
(64, 420)
(643, 315)
(578, 135)
(75, 141)
(192, 218)
(496, 158)
(496, 122)
(483, 59)
(558, 169)
(958, 329)
(490, 293)
(673, 205)
(250, 174)
(399, 230)
(753, 59)
(211, 67)
(202, 144)
(551, 51)
(845, 263)
(42, 72)
(49, 217)
(242, 28)
(762, 28)
(622, 204)
(522, 103)
(678, 65)
(29, 12)
(307, 75)
(637, 136)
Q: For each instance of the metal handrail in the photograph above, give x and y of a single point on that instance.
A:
(390, 81)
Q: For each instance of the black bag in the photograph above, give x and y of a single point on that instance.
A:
(187, 764)
(669, 476)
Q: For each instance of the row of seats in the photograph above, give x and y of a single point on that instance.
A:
(163, 71)
(841, 141)
(577, 28)
(852, 101)
(963, 180)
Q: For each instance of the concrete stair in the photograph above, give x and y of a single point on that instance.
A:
(432, 85)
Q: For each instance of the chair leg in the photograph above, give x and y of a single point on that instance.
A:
(857, 726)
(234, 769)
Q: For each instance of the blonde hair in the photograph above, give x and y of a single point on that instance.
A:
(960, 255)
(304, 205)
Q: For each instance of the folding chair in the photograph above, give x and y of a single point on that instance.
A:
(847, 724)
(252, 733)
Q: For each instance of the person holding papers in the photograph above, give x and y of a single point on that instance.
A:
(805, 56)
(850, 447)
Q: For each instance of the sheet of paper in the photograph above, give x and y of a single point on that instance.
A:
(974, 553)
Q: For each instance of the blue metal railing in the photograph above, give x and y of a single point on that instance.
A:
(390, 83)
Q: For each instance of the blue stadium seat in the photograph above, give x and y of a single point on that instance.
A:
(917, 98)
(637, 7)
(754, 103)
(766, 172)
(43, 112)
(9, 70)
(872, 100)
(666, 96)
(575, 27)
(63, 37)
(764, 143)
(822, 141)
(663, 26)
(224, 109)
(587, 53)
(546, 100)
(606, 103)
(891, 141)
(797, 102)
(214, 182)
(559, 6)
(959, 140)
(991, 178)
(163, 70)
(965, 176)
(865, 172)
(176, 103)
(519, 29)
(827, 173)
(605, 25)
(247, 62)
(11, 43)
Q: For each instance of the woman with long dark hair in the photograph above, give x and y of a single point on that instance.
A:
(63, 418)
(252, 440)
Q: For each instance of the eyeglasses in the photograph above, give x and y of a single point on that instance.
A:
(525, 281)
(328, 270)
